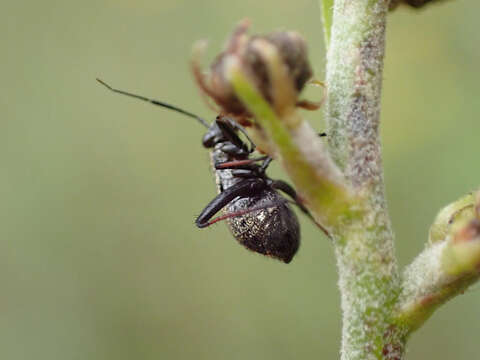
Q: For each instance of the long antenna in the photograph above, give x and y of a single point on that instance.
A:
(156, 102)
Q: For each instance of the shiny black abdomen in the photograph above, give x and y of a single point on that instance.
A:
(273, 231)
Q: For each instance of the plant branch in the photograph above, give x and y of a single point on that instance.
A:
(449, 264)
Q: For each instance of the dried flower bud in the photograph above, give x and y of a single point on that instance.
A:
(291, 49)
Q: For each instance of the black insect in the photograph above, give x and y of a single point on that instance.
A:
(258, 216)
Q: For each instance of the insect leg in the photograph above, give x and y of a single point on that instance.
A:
(247, 187)
(246, 211)
(265, 164)
(228, 128)
(244, 132)
(238, 163)
(245, 173)
(248, 164)
(290, 191)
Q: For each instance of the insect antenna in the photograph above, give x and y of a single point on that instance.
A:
(156, 102)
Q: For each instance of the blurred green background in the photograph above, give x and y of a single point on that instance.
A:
(100, 258)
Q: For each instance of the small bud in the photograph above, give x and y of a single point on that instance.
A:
(451, 217)
(248, 52)
(463, 253)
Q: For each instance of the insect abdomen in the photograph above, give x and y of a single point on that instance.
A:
(273, 231)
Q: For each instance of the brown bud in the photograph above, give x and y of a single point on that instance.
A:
(291, 49)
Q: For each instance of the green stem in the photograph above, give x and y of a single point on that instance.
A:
(369, 279)
(326, 7)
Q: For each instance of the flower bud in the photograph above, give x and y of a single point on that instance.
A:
(247, 50)
(452, 217)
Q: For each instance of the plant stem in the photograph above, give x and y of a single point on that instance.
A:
(327, 15)
(369, 280)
